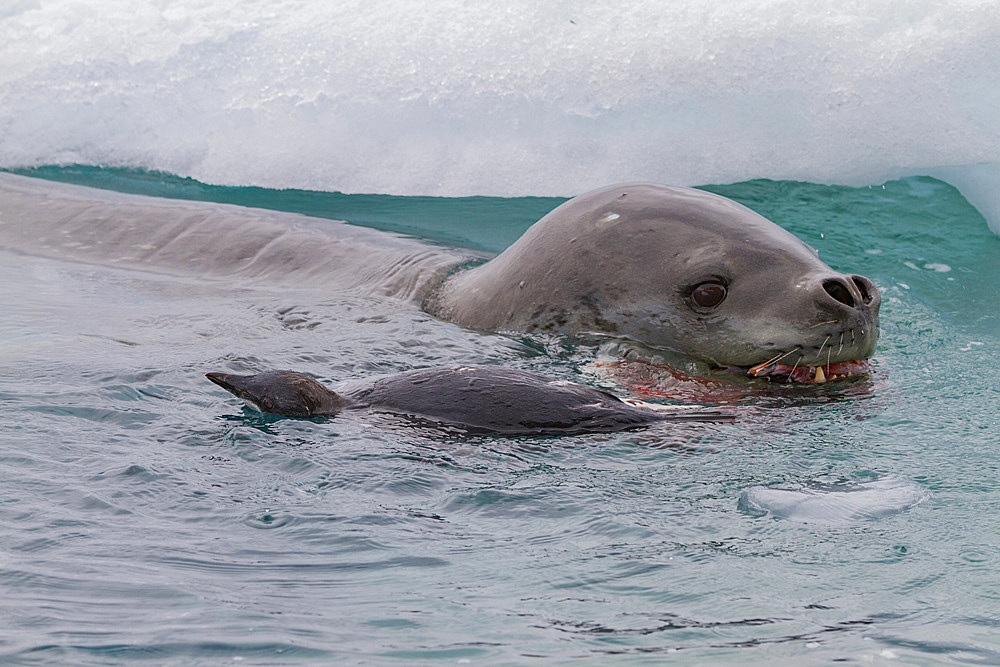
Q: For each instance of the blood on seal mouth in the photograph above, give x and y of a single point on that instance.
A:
(811, 374)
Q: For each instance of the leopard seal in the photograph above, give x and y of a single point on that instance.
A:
(679, 271)
(487, 399)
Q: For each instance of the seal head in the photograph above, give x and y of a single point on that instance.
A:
(680, 271)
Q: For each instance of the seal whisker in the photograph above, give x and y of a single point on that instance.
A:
(794, 349)
(775, 359)
(772, 360)
(820, 350)
(841, 343)
(819, 324)
(792, 374)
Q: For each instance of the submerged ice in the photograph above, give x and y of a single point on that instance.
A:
(457, 98)
(835, 504)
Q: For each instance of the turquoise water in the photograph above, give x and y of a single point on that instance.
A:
(147, 516)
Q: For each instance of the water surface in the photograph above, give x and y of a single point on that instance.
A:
(148, 515)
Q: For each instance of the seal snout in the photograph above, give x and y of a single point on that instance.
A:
(839, 338)
(870, 295)
(852, 291)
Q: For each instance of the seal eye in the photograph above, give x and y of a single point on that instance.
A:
(708, 295)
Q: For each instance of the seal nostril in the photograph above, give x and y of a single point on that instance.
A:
(839, 291)
(862, 285)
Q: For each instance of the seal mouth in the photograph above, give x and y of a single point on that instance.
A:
(839, 364)
(810, 374)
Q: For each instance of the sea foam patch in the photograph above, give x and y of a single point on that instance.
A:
(834, 504)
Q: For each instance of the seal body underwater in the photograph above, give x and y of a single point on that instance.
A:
(680, 271)
(479, 398)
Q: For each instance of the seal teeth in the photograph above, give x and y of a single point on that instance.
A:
(820, 375)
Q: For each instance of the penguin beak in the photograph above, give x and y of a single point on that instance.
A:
(222, 379)
(234, 384)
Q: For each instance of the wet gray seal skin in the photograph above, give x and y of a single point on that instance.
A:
(187, 238)
(683, 271)
(478, 398)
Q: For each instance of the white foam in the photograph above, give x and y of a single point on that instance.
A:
(509, 98)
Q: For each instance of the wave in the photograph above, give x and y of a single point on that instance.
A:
(456, 98)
